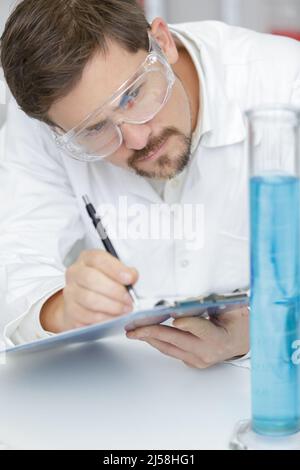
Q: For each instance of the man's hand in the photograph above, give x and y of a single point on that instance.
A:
(95, 291)
(199, 342)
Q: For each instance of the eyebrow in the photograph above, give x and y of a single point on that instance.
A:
(92, 127)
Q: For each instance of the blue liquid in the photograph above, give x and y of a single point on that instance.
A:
(275, 306)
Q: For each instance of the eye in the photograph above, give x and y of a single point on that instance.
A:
(96, 128)
(128, 98)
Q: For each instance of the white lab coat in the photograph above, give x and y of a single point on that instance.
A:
(43, 223)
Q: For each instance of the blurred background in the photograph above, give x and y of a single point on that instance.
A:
(275, 16)
(278, 16)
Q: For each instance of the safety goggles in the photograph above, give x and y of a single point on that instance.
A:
(137, 101)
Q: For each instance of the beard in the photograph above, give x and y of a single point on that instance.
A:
(164, 167)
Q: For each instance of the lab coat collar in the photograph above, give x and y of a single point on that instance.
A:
(222, 119)
(224, 116)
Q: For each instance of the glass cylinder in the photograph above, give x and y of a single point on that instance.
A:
(274, 173)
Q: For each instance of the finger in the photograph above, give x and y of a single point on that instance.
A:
(167, 334)
(228, 317)
(95, 281)
(215, 343)
(236, 326)
(188, 364)
(200, 327)
(176, 353)
(97, 318)
(83, 317)
(232, 315)
(207, 351)
(109, 265)
(97, 302)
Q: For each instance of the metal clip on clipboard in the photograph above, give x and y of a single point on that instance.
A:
(212, 303)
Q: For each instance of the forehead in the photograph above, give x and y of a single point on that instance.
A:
(101, 77)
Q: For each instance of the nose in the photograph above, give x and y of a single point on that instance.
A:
(135, 136)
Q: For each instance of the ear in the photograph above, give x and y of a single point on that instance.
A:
(160, 31)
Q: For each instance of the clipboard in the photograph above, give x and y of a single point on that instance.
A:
(210, 305)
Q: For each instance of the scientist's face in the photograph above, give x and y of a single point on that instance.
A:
(159, 148)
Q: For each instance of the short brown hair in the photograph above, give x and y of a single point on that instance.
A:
(47, 43)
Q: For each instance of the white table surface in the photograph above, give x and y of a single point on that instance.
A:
(118, 394)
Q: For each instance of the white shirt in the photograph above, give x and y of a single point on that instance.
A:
(43, 222)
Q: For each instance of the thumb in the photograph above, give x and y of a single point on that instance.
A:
(229, 315)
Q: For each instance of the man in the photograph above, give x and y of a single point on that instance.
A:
(142, 116)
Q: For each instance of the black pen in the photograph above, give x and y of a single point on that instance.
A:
(105, 239)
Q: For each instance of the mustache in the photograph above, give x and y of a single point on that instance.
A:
(154, 144)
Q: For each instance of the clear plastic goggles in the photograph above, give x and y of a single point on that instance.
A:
(137, 101)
